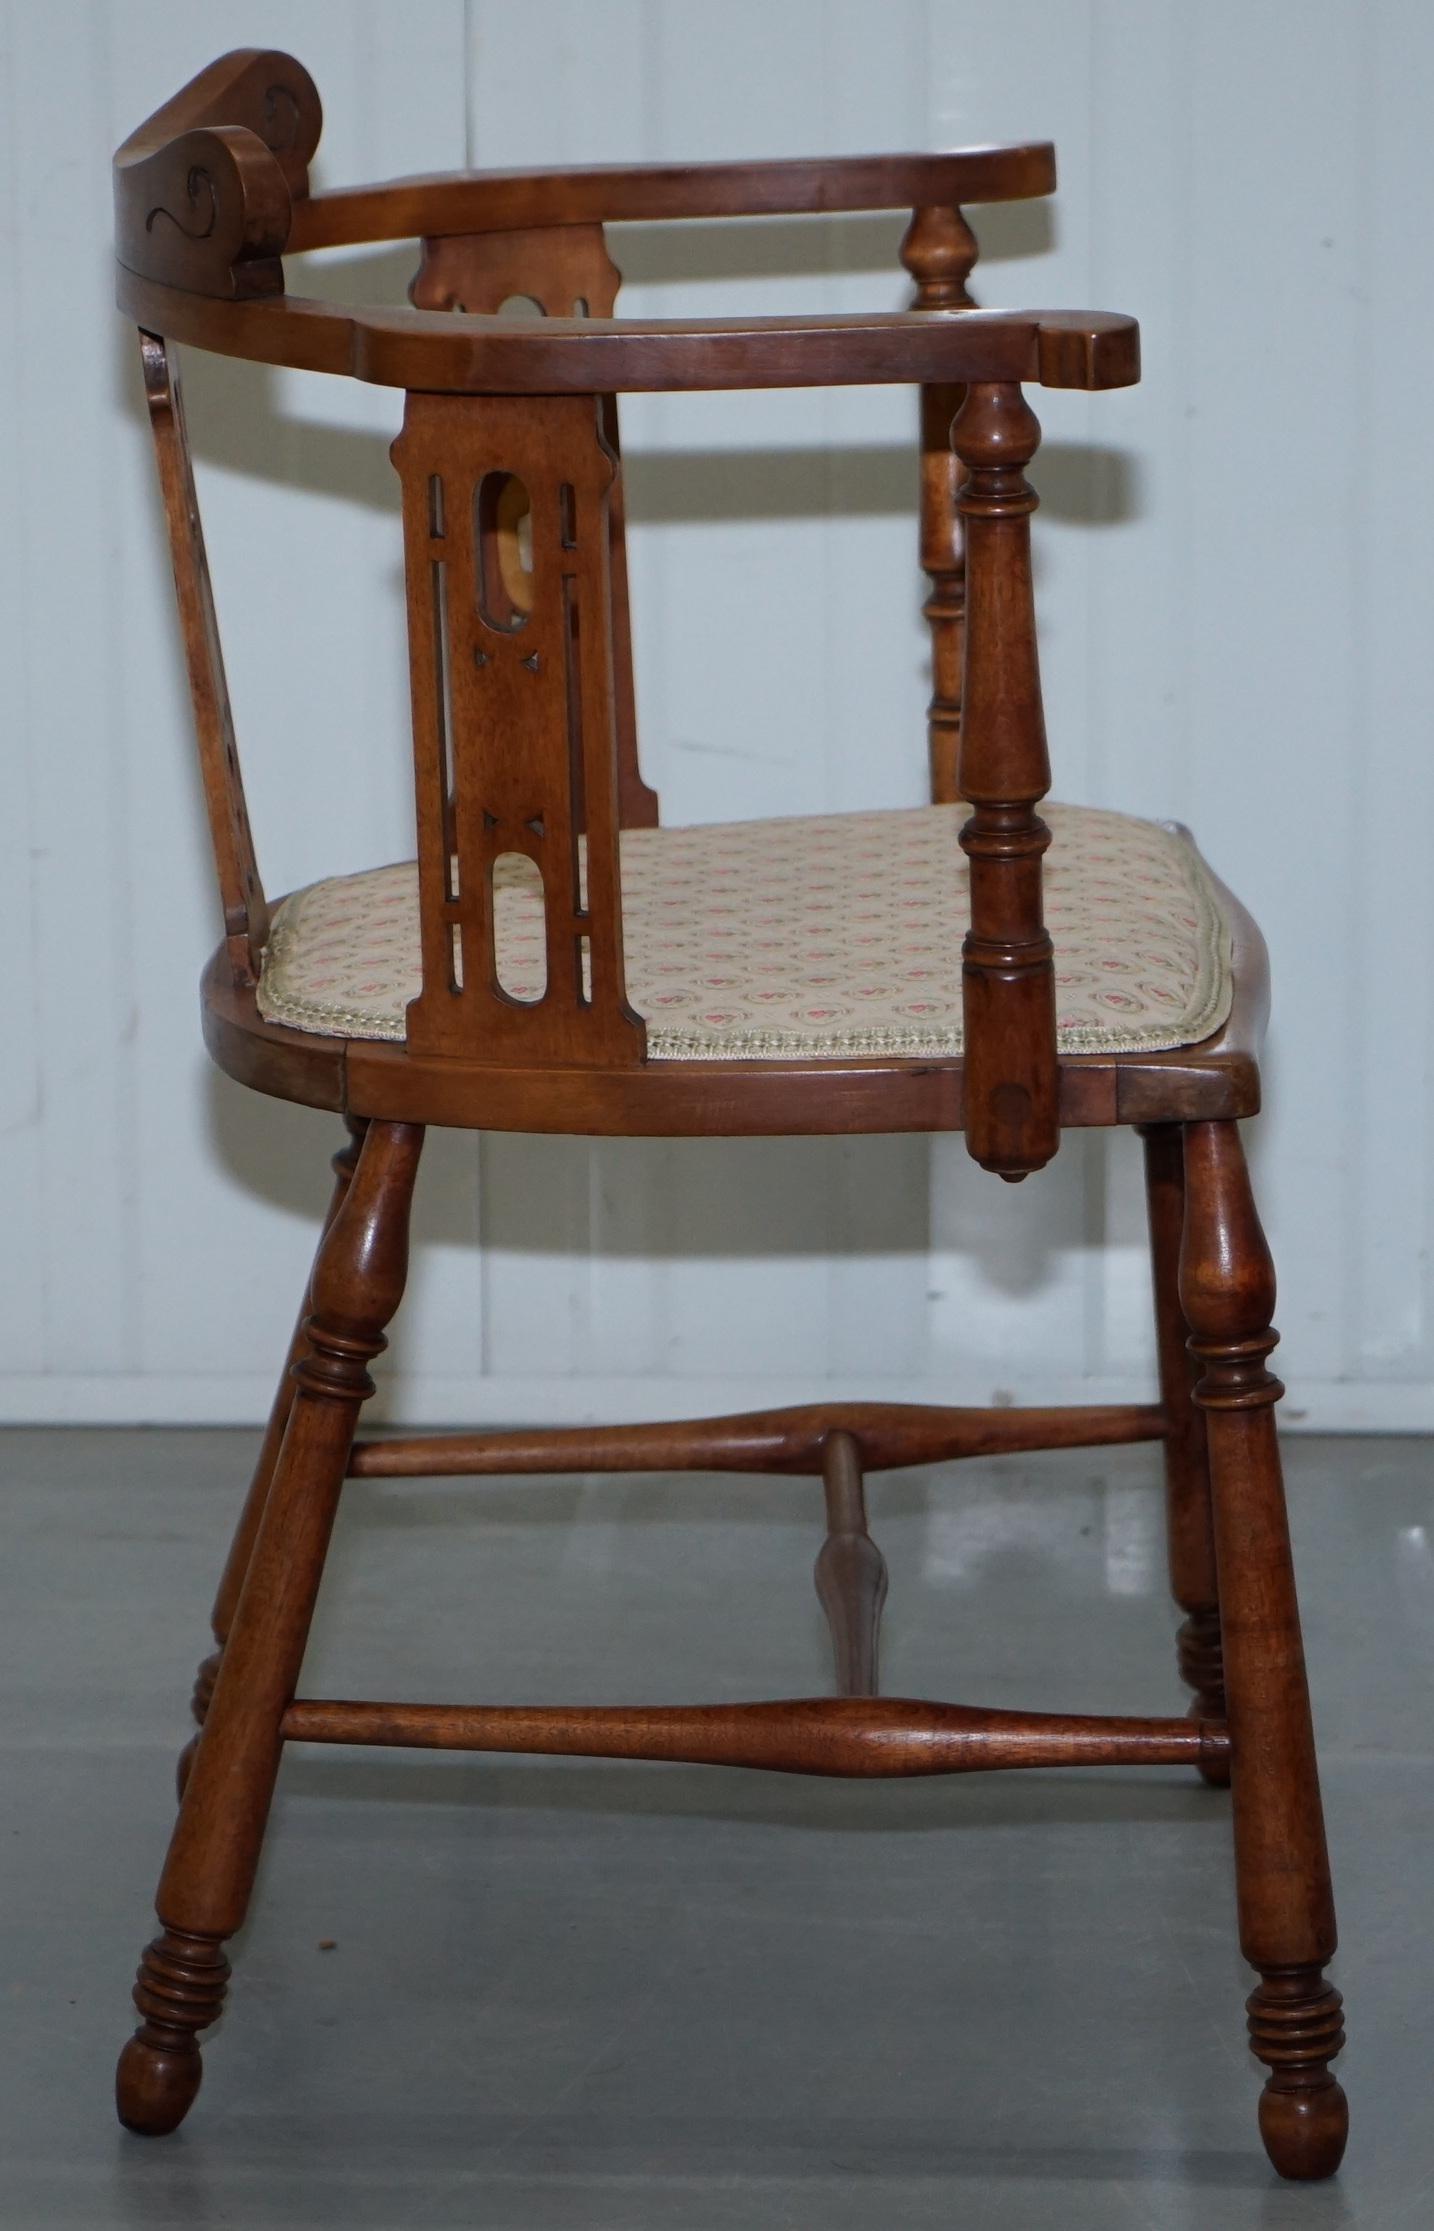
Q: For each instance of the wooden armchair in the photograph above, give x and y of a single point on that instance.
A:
(554, 960)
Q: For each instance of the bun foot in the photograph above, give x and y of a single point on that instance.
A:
(155, 2086)
(1305, 2131)
(1296, 2028)
(179, 1991)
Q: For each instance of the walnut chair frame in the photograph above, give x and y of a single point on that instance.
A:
(210, 194)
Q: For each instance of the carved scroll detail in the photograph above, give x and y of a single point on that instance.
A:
(198, 185)
(204, 190)
(284, 122)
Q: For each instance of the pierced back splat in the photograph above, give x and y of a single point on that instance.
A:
(557, 271)
(513, 720)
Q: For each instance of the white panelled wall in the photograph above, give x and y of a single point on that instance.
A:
(1234, 576)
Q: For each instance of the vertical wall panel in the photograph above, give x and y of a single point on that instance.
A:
(178, 1212)
(1380, 566)
(1272, 497)
(22, 1097)
(1233, 561)
(66, 536)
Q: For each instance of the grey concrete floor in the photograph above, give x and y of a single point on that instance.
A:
(585, 1995)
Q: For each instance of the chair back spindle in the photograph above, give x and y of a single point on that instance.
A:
(1008, 974)
(241, 893)
(939, 250)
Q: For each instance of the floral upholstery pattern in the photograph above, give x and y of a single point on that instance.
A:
(827, 936)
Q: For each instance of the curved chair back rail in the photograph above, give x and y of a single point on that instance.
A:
(523, 717)
(219, 176)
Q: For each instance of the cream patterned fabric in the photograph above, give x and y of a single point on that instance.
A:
(837, 935)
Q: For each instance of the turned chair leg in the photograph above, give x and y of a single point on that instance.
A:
(1190, 1533)
(241, 1548)
(1287, 1931)
(209, 1873)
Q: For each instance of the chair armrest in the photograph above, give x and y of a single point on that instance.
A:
(1052, 348)
(448, 352)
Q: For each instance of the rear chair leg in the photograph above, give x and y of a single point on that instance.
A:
(241, 1549)
(209, 1874)
(1287, 1931)
(1190, 1533)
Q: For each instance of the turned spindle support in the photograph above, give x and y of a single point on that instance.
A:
(208, 1875)
(1008, 972)
(939, 250)
(1286, 1908)
(850, 1570)
(863, 1738)
(789, 1441)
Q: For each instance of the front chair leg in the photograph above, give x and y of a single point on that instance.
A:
(241, 1548)
(1190, 1533)
(1287, 1931)
(209, 1873)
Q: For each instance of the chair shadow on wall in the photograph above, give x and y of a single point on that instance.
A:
(741, 1199)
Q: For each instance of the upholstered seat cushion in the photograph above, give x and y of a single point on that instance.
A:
(824, 937)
